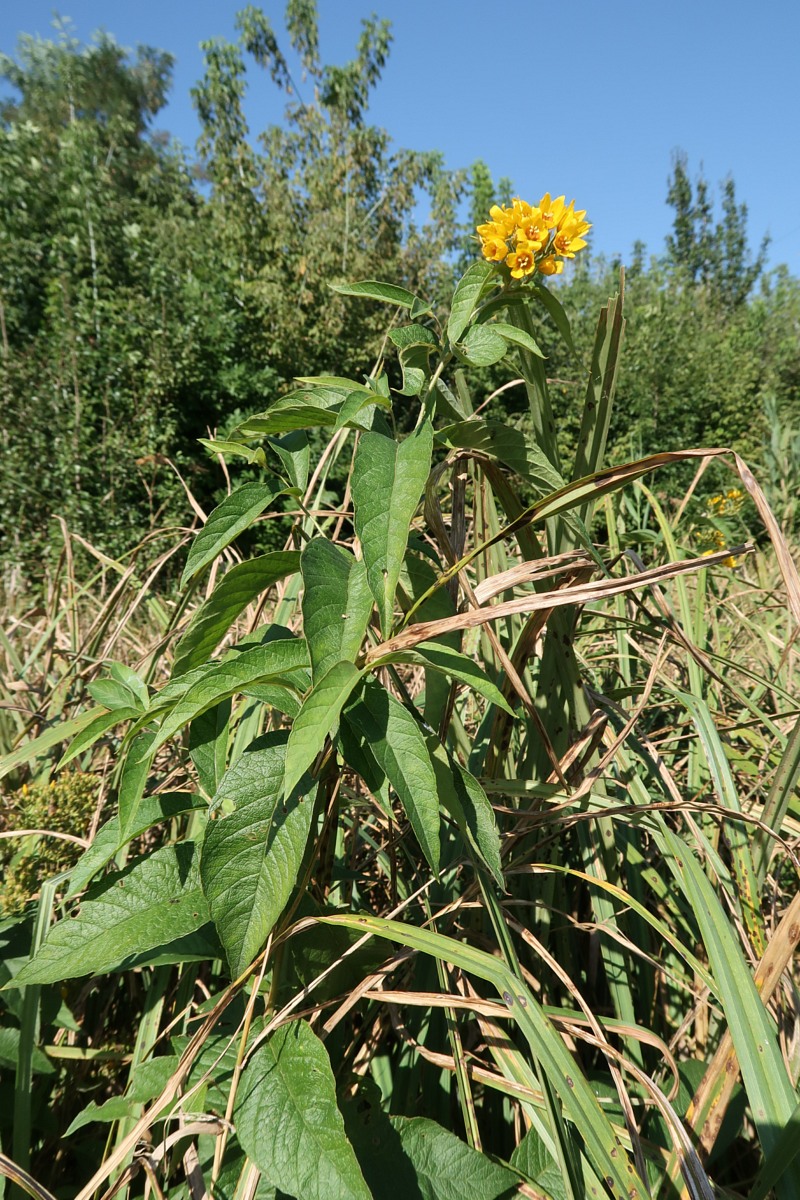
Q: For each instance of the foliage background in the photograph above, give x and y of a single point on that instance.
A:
(148, 296)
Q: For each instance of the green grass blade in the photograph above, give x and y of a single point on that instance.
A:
(579, 1101)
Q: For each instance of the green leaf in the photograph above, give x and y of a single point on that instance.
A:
(415, 343)
(295, 453)
(288, 1122)
(449, 1169)
(518, 337)
(508, 445)
(293, 412)
(482, 346)
(251, 857)
(465, 800)
(235, 590)
(469, 289)
(10, 1048)
(258, 665)
(129, 679)
(215, 447)
(352, 407)
(149, 1081)
(388, 293)
(396, 742)
(447, 661)
(340, 383)
(769, 1090)
(208, 745)
(138, 761)
(337, 604)
(112, 695)
(153, 901)
(108, 840)
(317, 717)
(93, 729)
(226, 522)
(60, 732)
(533, 1159)
(388, 480)
(555, 311)
(563, 1072)
(413, 335)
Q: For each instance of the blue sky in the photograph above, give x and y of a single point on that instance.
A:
(590, 98)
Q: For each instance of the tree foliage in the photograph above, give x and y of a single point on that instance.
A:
(146, 299)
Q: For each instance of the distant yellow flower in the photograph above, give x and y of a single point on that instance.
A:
(523, 260)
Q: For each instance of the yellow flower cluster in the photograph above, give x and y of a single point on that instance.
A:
(715, 540)
(530, 238)
(726, 504)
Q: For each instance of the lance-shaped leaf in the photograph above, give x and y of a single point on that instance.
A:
(138, 761)
(288, 1122)
(388, 480)
(508, 445)
(357, 409)
(275, 661)
(237, 588)
(437, 656)
(208, 745)
(471, 286)
(152, 902)
(226, 522)
(294, 453)
(769, 1089)
(90, 725)
(251, 857)
(555, 311)
(468, 804)
(337, 603)
(317, 718)
(516, 337)
(387, 293)
(164, 806)
(397, 744)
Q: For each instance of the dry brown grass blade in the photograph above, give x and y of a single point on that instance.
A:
(528, 572)
(583, 593)
(23, 1180)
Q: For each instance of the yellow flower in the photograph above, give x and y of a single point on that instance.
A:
(517, 234)
(551, 210)
(494, 249)
(531, 228)
(504, 218)
(551, 265)
(522, 261)
(568, 239)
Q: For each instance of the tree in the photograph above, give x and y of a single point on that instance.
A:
(715, 256)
